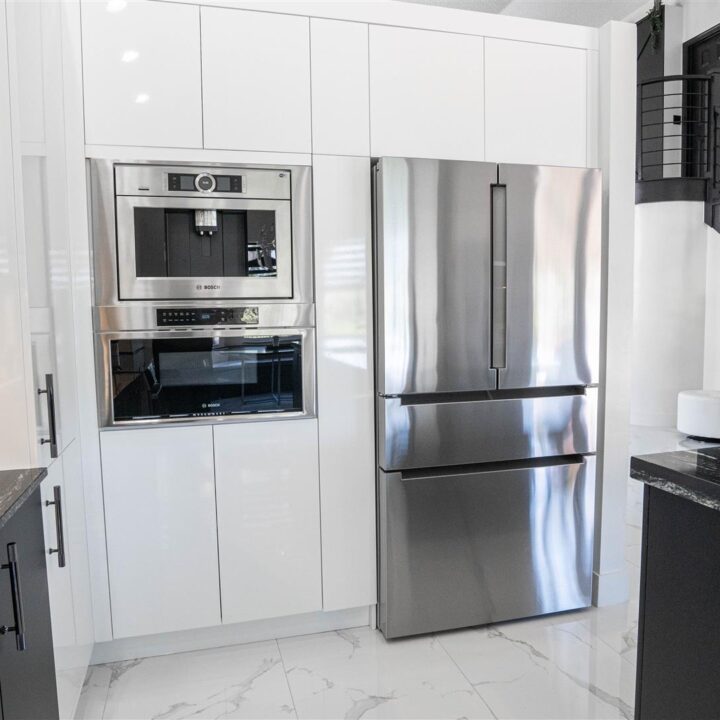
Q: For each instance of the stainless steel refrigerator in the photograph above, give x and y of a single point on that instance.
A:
(487, 281)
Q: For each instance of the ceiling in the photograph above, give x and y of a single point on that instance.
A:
(578, 12)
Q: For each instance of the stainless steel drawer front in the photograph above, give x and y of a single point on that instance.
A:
(457, 433)
(463, 550)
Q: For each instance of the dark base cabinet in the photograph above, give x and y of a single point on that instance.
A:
(679, 630)
(27, 667)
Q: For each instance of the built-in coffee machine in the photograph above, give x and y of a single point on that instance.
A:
(203, 292)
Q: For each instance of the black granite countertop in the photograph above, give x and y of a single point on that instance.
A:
(690, 474)
(16, 486)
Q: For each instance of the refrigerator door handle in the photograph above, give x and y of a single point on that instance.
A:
(499, 276)
(490, 468)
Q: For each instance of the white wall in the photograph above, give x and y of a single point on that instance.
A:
(669, 308)
(676, 343)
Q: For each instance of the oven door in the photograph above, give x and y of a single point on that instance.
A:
(169, 249)
(181, 376)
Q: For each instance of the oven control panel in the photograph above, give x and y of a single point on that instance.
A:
(207, 316)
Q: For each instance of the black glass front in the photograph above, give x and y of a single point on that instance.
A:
(193, 377)
(189, 244)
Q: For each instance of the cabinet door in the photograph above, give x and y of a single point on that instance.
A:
(73, 511)
(346, 424)
(60, 589)
(27, 677)
(161, 529)
(340, 93)
(256, 80)
(268, 519)
(536, 100)
(37, 25)
(426, 94)
(141, 73)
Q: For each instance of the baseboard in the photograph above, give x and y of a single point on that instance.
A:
(610, 588)
(223, 635)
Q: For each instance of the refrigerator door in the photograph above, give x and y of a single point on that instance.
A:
(553, 254)
(482, 547)
(433, 275)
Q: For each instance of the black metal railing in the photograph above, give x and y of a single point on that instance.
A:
(674, 128)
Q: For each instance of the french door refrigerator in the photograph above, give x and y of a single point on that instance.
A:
(488, 312)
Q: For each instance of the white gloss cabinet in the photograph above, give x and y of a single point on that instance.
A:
(340, 88)
(426, 94)
(256, 80)
(141, 70)
(268, 519)
(536, 103)
(343, 283)
(60, 591)
(161, 529)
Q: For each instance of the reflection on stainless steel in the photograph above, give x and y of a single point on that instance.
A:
(103, 365)
(482, 547)
(488, 318)
(433, 263)
(294, 231)
(459, 433)
(553, 276)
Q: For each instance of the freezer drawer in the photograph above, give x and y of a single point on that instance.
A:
(433, 434)
(482, 547)
(433, 264)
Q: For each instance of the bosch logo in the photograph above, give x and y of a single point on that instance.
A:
(207, 287)
(210, 405)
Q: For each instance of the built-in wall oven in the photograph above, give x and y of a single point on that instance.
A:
(203, 292)
(176, 376)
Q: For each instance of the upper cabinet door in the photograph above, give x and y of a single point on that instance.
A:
(340, 101)
(536, 100)
(256, 80)
(426, 94)
(553, 276)
(141, 70)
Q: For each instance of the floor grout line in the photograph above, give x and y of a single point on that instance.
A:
(460, 670)
(287, 679)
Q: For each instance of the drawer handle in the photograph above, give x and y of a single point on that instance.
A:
(57, 502)
(18, 628)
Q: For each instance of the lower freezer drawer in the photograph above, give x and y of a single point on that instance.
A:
(482, 547)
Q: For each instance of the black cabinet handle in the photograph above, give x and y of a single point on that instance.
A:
(60, 549)
(13, 568)
(49, 393)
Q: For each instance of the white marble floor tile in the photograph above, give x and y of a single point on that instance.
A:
(357, 673)
(537, 669)
(246, 681)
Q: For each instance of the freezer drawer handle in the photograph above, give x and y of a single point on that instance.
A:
(19, 627)
(499, 275)
(49, 393)
(57, 502)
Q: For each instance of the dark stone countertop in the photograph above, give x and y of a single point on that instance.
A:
(690, 474)
(16, 486)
